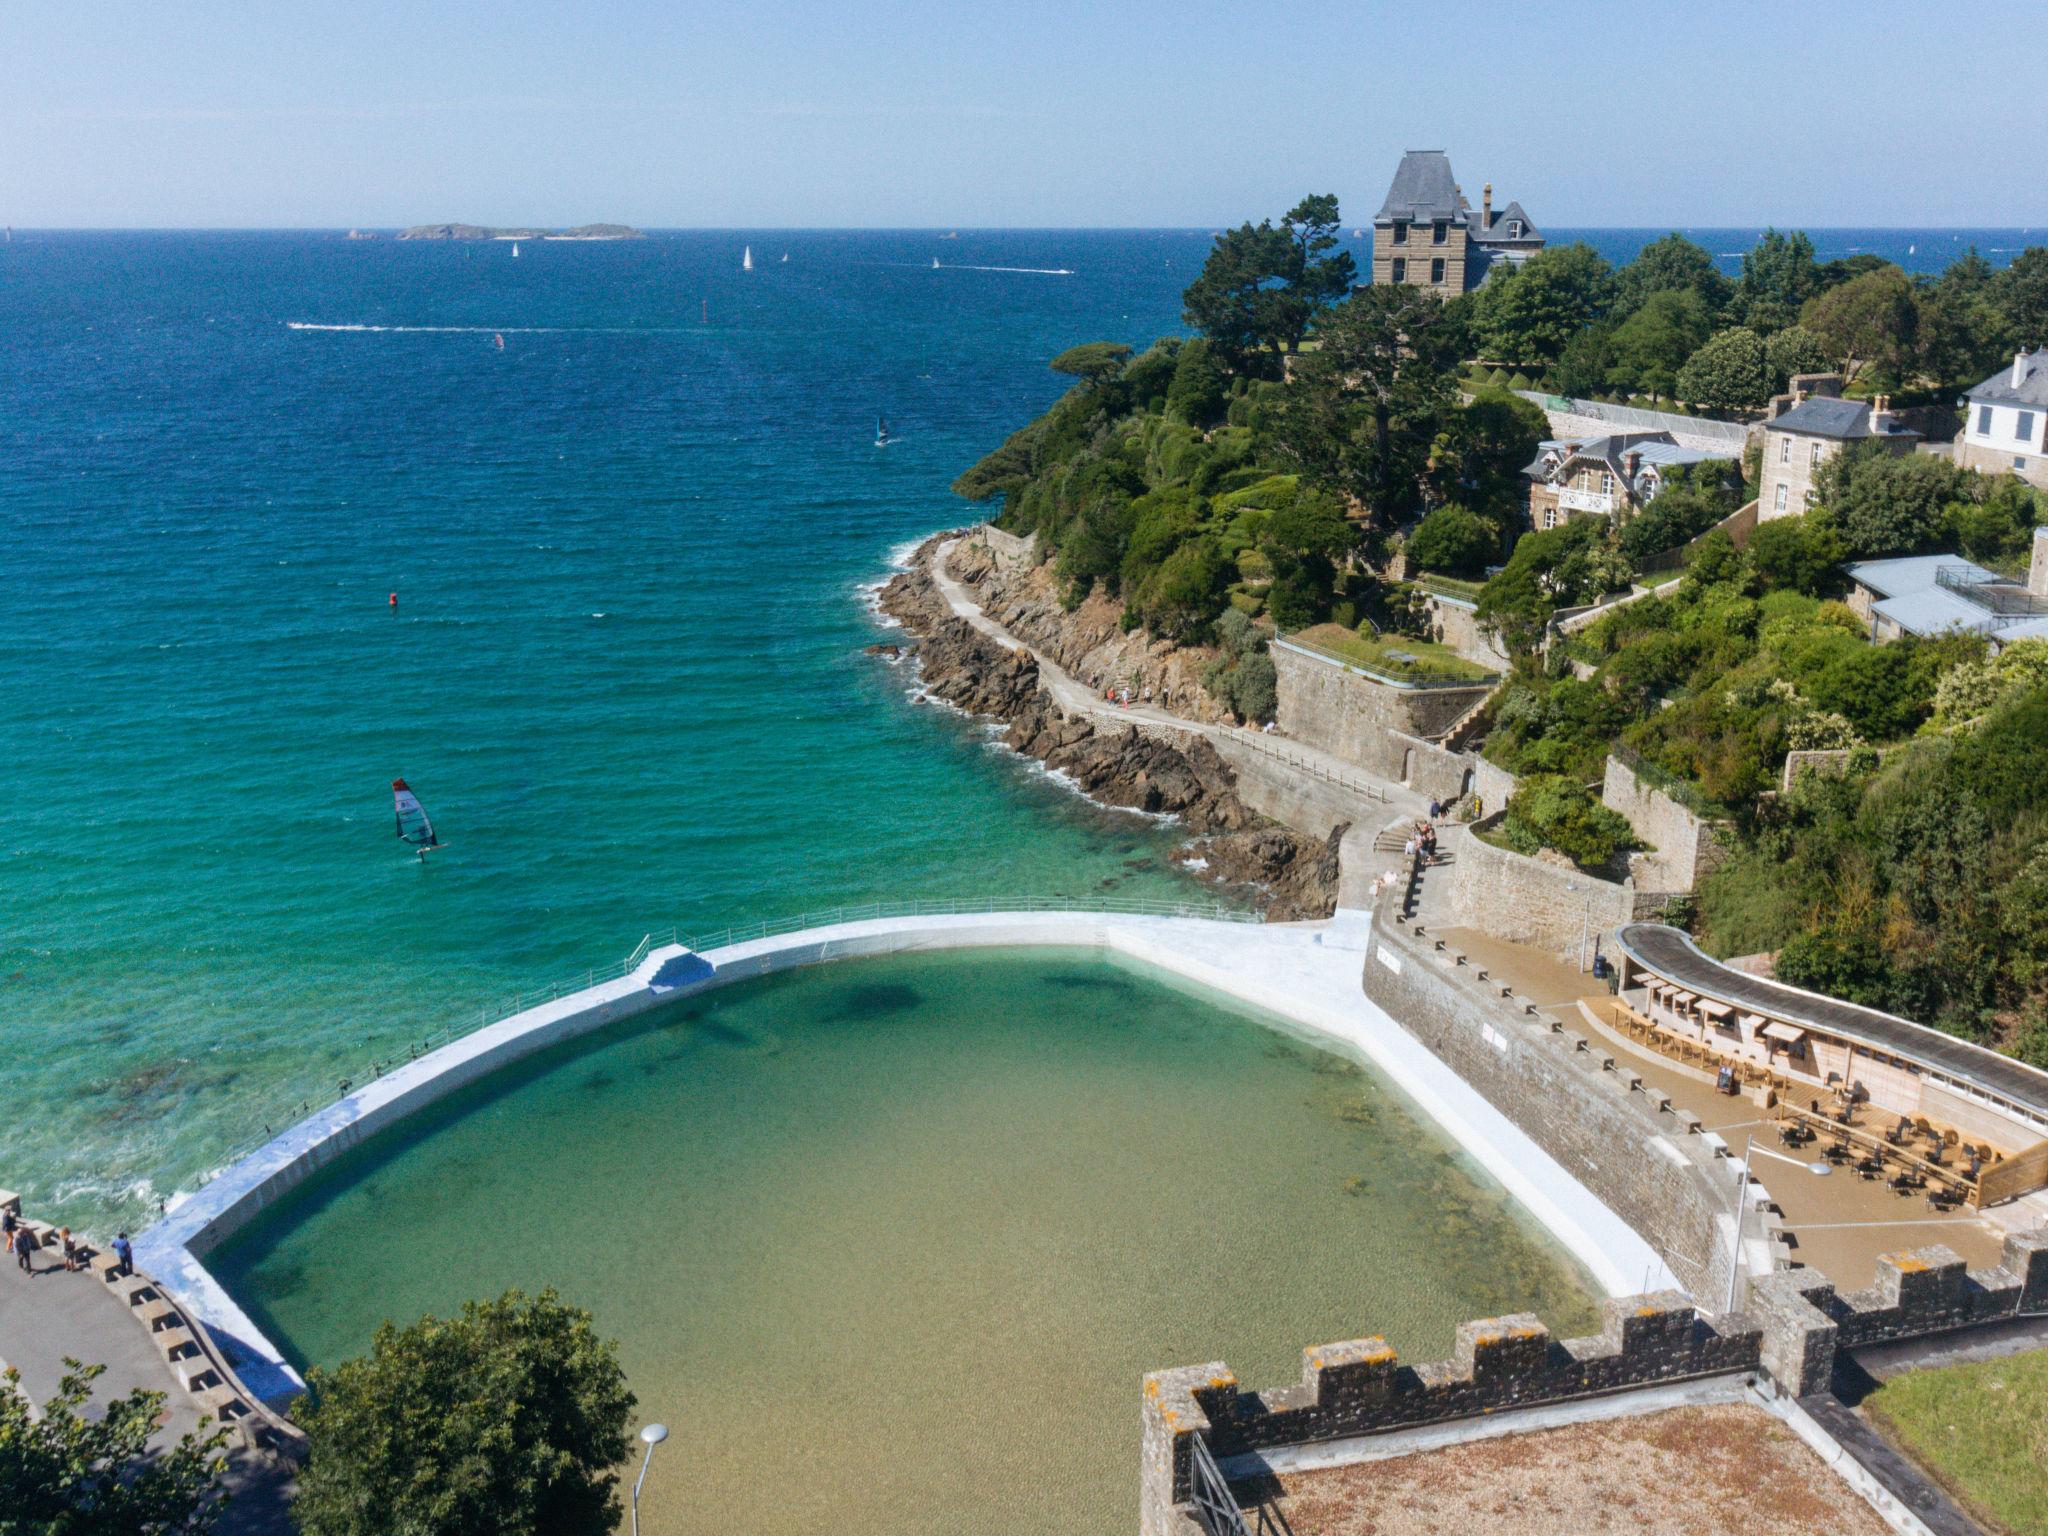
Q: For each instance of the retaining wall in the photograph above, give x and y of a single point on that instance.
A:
(1457, 626)
(1492, 784)
(1531, 901)
(1008, 550)
(1360, 1388)
(1647, 1162)
(1347, 713)
(1684, 848)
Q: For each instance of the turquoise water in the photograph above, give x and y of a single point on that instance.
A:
(890, 1243)
(624, 672)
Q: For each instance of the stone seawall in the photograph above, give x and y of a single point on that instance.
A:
(1532, 901)
(1647, 1162)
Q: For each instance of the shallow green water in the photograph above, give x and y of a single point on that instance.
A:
(889, 1243)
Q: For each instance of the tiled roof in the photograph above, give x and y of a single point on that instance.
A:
(2032, 388)
(1822, 417)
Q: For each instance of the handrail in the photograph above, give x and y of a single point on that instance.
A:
(519, 1002)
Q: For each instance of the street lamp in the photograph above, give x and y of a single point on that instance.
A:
(653, 1434)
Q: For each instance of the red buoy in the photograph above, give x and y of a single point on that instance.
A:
(394, 599)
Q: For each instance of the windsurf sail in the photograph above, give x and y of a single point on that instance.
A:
(413, 827)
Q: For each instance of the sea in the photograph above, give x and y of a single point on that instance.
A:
(281, 521)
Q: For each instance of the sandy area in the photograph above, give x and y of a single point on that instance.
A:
(1728, 1470)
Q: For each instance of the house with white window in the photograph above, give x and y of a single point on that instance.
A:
(1428, 235)
(2005, 427)
(1809, 432)
(1613, 477)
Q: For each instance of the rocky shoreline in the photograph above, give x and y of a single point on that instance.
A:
(1120, 766)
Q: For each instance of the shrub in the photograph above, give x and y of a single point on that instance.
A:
(1452, 539)
(1561, 814)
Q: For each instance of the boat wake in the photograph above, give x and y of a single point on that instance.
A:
(961, 266)
(499, 330)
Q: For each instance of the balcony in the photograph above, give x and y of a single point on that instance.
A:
(1571, 499)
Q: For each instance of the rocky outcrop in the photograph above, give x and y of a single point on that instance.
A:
(1114, 764)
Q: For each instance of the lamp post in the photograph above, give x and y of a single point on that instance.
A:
(653, 1435)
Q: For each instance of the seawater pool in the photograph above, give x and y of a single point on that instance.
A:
(889, 1243)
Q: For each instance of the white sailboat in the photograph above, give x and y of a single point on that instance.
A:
(515, 250)
(935, 263)
(747, 259)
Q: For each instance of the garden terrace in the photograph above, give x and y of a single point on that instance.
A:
(1400, 660)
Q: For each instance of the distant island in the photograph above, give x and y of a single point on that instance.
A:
(482, 232)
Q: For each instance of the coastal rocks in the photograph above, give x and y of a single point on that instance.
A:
(1149, 769)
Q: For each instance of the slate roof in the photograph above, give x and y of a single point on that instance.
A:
(1654, 447)
(1841, 419)
(1497, 233)
(2032, 388)
(1424, 190)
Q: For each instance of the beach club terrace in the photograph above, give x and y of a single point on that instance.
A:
(1929, 1110)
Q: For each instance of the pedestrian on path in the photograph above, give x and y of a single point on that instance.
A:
(1436, 809)
(74, 1261)
(125, 1254)
(24, 1250)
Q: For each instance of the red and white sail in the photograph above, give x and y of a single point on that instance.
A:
(413, 826)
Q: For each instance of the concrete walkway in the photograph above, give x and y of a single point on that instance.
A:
(1077, 698)
(54, 1314)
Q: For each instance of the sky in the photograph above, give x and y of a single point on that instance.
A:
(1064, 113)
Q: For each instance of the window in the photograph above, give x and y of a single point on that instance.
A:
(1984, 420)
(2024, 431)
(1400, 233)
(1400, 269)
(1606, 483)
(2019, 463)
(1514, 229)
(1436, 270)
(1811, 498)
(1439, 232)
(1816, 455)
(1780, 505)
(1784, 450)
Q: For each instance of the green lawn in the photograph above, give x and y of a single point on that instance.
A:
(1451, 586)
(1981, 1430)
(1395, 656)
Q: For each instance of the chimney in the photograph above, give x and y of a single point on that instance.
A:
(1632, 464)
(1880, 413)
(2037, 568)
(2019, 368)
(1486, 206)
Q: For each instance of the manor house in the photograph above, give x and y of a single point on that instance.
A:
(1428, 236)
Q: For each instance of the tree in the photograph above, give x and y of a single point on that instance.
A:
(1961, 336)
(1529, 314)
(1094, 363)
(1729, 373)
(510, 1418)
(1672, 264)
(1883, 504)
(1364, 407)
(1778, 277)
(1261, 288)
(1302, 542)
(1651, 345)
(1553, 812)
(1872, 319)
(1185, 593)
(1200, 390)
(1797, 554)
(1243, 676)
(1453, 539)
(1479, 456)
(1692, 501)
(1549, 570)
(1796, 350)
(1586, 363)
(68, 1474)
(2021, 294)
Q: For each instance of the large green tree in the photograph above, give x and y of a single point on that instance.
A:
(1870, 321)
(1365, 406)
(2021, 294)
(510, 1418)
(72, 1473)
(1778, 277)
(1094, 363)
(1528, 315)
(1673, 263)
(1885, 504)
(1261, 287)
(1651, 345)
(1729, 373)
(1479, 456)
(1796, 350)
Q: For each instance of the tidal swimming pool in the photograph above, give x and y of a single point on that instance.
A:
(889, 1243)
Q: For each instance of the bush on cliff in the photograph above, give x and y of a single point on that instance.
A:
(1243, 677)
(1548, 810)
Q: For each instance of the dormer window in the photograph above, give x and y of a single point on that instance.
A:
(1439, 232)
(1400, 233)
(1514, 229)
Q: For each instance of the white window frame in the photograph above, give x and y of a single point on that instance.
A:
(1816, 457)
(1983, 421)
(1784, 450)
(1783, 491)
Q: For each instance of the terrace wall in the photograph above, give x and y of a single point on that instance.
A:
(1346, 713)
(1683, 847)
(1532, 901)
(1457, 626)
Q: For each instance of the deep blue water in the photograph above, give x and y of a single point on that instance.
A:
(624, 671)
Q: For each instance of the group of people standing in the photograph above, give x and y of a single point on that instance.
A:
(19, 1239)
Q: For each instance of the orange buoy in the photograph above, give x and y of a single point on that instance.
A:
(394, 599)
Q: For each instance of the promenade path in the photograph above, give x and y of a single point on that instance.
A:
(54, 1314)
(1386, 797)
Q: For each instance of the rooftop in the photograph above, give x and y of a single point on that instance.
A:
(2023, 382)
(1819, 416)
(1424, 189)
(1934, 594)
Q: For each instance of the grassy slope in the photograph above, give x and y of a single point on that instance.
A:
(1982, 1430)
(1431, 660)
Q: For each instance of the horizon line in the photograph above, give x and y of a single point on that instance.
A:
(1786, 226)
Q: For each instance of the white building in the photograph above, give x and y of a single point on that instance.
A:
(2006, 425)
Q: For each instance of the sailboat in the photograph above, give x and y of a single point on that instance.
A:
(882, 437)
(785, 256)
(747, 259)
(498, 340)
(515, 250)
(935, 263)
(413, 827)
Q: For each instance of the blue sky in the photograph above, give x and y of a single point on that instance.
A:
(804, 112)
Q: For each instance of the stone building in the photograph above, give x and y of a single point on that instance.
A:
(1812, 429)
(1427, 235)
(2005, 430)
(1613, 477)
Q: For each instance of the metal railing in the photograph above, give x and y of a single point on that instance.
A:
(519, 1002)
(1215, 1506)
(1309, 766)
(1420, 676)
(2004, 602)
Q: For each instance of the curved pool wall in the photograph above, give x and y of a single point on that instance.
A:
(1306, 973)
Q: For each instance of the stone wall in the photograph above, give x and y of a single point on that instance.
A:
(1007, 549)
(1457, 625)
(1683, 849)
(1349, 715)
(1832, 762)
(1646, 1161)
(1532, 901)
(1492, 784)
(1928, 1290)
(1361, 1388)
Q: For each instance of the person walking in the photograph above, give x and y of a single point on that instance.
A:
(73, 1260)
(24, 1250)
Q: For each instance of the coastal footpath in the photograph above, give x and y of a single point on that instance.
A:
(1152, 764)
